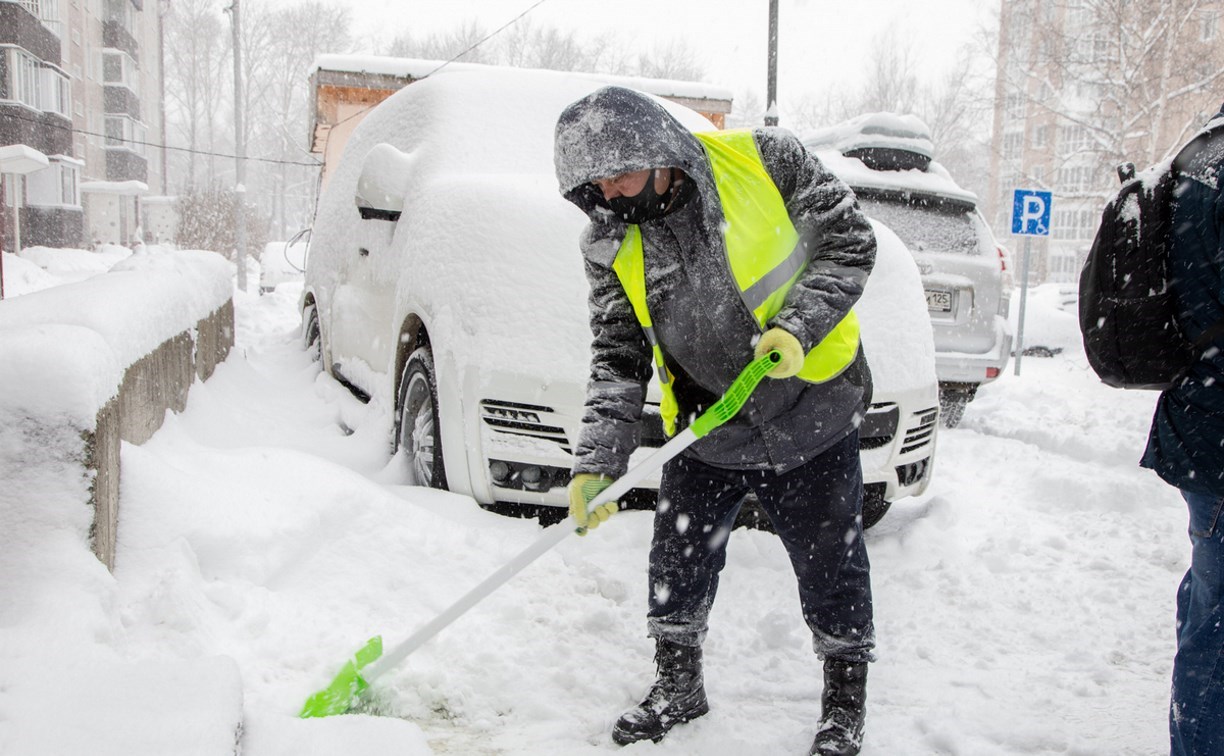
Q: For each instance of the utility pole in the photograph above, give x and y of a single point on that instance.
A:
(162, 8)
(771, 91)
(239, 151)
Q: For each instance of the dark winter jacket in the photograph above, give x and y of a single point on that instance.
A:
(1186, 444)
(706, 331)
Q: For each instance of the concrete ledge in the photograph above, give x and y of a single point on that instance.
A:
(157, 382)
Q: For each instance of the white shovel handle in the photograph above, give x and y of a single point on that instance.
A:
(544, 543)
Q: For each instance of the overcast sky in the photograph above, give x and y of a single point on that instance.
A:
(820, 42)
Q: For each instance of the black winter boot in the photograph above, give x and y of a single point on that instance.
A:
(843, 707)
(677, 696)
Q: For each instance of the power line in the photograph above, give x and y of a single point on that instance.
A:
(487, 37)
(314, 164)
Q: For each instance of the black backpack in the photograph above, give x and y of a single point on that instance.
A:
(1127, 309)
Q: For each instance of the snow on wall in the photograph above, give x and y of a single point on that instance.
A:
(66, 348)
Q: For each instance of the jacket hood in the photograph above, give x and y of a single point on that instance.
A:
(616, 130)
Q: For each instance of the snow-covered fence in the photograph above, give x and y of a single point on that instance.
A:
(87, 365)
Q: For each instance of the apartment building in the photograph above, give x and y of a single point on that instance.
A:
(1085, 85)
(80, 82)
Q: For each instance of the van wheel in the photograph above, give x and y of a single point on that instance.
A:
(875, 506)
(311, 335)
(952, 402)
(417, 431)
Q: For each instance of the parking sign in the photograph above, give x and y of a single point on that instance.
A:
(1031, 213)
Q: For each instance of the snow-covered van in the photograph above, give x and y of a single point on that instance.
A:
(886, 159)
(444, 282)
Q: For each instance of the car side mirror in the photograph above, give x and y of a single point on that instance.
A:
(380, 189)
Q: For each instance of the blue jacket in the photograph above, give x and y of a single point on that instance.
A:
(1186, 443)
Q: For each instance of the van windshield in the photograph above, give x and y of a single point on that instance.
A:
(924, 224)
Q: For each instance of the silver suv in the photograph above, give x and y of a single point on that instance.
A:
(887, 160)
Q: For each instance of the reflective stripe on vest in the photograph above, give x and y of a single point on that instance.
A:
(763, 252)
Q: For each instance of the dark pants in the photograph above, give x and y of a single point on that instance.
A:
(1196, 713)
(816, 510)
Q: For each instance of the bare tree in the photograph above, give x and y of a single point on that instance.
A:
(955, 106)
(674, 60)
(1121, 80)
(892, 85)
(197, 53)
(529, 46)
(462, 41)
(278, 100)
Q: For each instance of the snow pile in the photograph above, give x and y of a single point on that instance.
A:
(58, 266)
(65, 352)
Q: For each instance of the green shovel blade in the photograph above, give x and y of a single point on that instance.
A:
(342, 694)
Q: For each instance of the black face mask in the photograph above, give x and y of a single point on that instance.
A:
(646, 205)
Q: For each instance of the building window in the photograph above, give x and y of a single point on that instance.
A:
(1078, 15)
(46, 11)
(1075, 179)
(1041, 135)
(1014, 109)
(125, 133)
(1074, 224)
(1210, 26)
(119, 68)
(122, 13)
(57, 185)
(1072, 139)
(35, 84)
(1013, 144)
(55, 92)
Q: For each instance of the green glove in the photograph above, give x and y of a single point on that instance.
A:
(788, 346)
(582, 489)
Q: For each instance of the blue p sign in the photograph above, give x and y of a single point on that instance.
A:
(1031, 212)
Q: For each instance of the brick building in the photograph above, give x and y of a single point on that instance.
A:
(80, 81)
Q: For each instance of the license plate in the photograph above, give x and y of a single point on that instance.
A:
(939, 301)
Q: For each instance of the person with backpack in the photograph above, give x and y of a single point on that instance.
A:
(1186, 446)
(704, 250)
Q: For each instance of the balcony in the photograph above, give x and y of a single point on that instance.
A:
(118, 99)
(115, 35)
(49, 133)
(125, 165)
(18, 26)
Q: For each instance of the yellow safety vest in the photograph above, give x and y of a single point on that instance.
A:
(764, 254)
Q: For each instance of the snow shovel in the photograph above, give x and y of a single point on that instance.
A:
(369, 663)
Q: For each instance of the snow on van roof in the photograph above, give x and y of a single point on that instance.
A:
(417, 68)
(934, 180)
(888, 130)
(883, 131)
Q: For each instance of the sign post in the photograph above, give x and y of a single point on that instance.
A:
(1030, 217)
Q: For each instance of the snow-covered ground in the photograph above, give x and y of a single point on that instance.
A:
(1024, 605)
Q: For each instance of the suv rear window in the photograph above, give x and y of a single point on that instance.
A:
(925, 224)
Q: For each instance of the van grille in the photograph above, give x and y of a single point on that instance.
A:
(879, 426)
(921, 430)
(519, 419)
